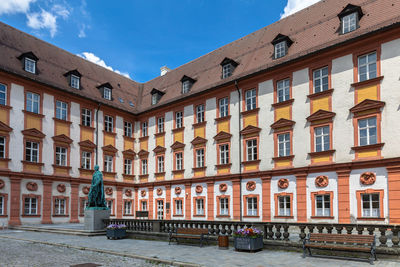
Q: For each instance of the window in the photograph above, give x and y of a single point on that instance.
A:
(179, 119)
(32, 151)
(86, 160)
(160, 209)
(30, 65)
(200, 158)
(2, 205)
(61, 110)
(32, 102)
(128, 208)
(200, 113)
(128, 129)
(199, 206)
(75, 81)
(320, 80)
(3, 94)
(367, 67)
(251, 149)
(251, 206)
(349, 23)
(107, 93)
(160, 163)
(144, 166)
(144, 205)
(323, 205)
(86, 117)
(251, 99)
(160, 125)
(284, 144)
(154, 99)
(186, 85)
(144, 128)
(30, 206)
(322, 138)
(110, 205)
(128, 166)
(284, 205)
(178, 161)
(224, 154)
(223, 107)
(280, 49)
(108, 123)
(283, 90)
(108, 163)
(224, 206)
(227, 70)
(2, 147)
(367, 131)
(61, 156)
(178, 207)
(370, 205)
(59, 206)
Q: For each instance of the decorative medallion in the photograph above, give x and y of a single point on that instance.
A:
(251, 186)
(368, 178)
(2, 184)
(128, 192)
(109, 191)
(31, 186)
(322, 181)
(283, 183)
(223, 187)
(159, 191)
(61, 188)
(143, 193)
(86, 190)
(178, 190)
(199, 189)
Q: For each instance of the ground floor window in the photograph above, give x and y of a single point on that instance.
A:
(128, 208)
(284, 205)
(1, 205)
(178, 207)
(199, 206)
(144, 205)
(59, 206)
(370, 205)
(160, 209)
(251, 206)
(30, 206)
(2, 147)
(224, 206)
(323, 205)
(110, 205)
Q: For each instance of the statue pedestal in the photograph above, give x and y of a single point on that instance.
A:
(94, 219)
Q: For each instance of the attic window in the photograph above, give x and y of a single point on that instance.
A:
(156, 96)
(74, 79)
(29, 61)
(121, 100)
(281, 45)
(187, 84)
(131, 104)
(106, 90)
(349, 18)
(228, 67)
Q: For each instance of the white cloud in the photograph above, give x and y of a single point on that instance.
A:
(15, 6)
(293, 6)
(82, 33)
(43, 20)
(95, 59)
(60, 11)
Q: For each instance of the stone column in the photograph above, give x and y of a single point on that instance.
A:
(168, 200)
(210, 200)
(343, 175)
(394, 194)
(266, 198)
(188, 201)
(301, 192)
(119, 200)
(15, 201)
(236, 199)
(74, 202)
(46, 200)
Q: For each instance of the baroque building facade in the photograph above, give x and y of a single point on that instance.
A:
(297, 122)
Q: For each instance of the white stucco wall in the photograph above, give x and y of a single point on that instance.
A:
(257, 191)
(276, 190)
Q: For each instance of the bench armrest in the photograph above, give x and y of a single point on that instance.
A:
(306, 240)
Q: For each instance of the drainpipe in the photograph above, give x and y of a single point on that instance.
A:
(97, 133)
(240, 149)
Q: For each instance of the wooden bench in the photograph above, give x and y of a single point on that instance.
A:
(345, 242)
(189, 233)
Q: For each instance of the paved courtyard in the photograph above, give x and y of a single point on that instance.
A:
(26, 248)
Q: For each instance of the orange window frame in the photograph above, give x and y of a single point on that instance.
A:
(314, 207)
(257, 138)
(132, 209)
(219, 206)
(381, 204)
(244, 104)
(195, 207)
(229, 152)
(66, 213)
(245, 201)
(276, 198)
(174, 207)
(38, 205)
(276, 141)
(218, 106)
(281, 78)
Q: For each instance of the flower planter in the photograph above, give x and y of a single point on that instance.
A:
(248, 244)
(116, 233)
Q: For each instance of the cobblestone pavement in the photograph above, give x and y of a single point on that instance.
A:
(206, 256)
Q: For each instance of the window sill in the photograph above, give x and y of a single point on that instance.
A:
(323, 217)
(143, 176)
(109, 173)
(227, 165)
(143, 138)
(321, 94)
(284, 157)
(178, 171)
(176, 215)
(33, 114)
(87, 127)
(199, 168)
(5, 107)
(370, 219)
(127, 215)
(5, 159)
(129, 177)
(196, 215)
(4, 216)
(367, 82)
(322, 153)
(178, 129)
(86, 170)
(284, 217)
(159, 134)
(159, 173)
(60, 215)
(110, 133)
(199, 124)
(129, 138)
(247, 162)
(247, 112)
(62, 121)
(32, 163)
(282, 104)
(226, 118)
(223, 216)
(251, 216)
(368, 147)
(61, 167)
(31, 216)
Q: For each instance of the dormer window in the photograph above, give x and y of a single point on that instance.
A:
(29, 61)
(187, 84)
(156, 96)
(75, 82)
(228, 67)
(281, 45)
(349, 18)
(74, 79)
(106, 90)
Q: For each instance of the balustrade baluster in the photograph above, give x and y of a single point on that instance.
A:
(349, 229)
(286, 232)
(270, 232)
(371, 230)
(339, 229)
(302, 234)
(360, 229)
(329, 229)
(278, 232)
(310, 228)
(320, 228)
(395, 237)
(382, 238)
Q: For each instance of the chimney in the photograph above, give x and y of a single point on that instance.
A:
(164, 70)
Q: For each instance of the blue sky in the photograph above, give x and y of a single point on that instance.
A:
(137, 37)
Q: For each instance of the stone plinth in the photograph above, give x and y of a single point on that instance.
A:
(94, 219)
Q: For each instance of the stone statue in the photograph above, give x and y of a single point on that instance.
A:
(96, 199)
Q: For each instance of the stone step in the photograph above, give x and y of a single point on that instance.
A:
(57, 230)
